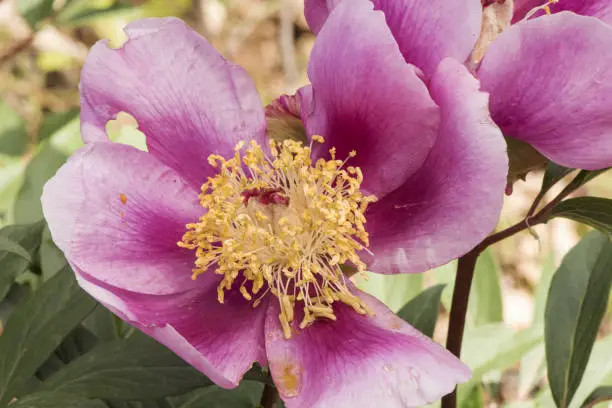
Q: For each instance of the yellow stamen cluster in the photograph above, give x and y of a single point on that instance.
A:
(281, 224)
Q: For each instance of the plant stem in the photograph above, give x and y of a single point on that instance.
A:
(461, 294)
(465, 275)
(269, 396)
(527, 222)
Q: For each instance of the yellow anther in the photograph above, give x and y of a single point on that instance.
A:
(245, 293)
(285, 326)
(318, 139)
(545, 7)
(285, 225)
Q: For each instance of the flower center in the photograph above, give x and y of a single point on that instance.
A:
(282, 225)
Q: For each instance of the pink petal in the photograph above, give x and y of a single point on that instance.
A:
(117, 213)
(359, 362)
(427, 31)
(366, 98)
(188, 100)
(553, 90)
(220, 340)
(522, 7)
(454, 200)
(317, 11)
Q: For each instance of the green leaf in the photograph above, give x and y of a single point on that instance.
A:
(541, 292)
(486, 297)
(65, 134)
(485, 305)
(34, 11)
(504, 348)
(422, 311)
(82, 13)
(133, 369)
(393, 290)
(554, 173)
(13, 134)
(158, 403)
(11, 178)
(77, 343)
(598, 373)
(246, 395)
(54, 400)
(521, 404)
(52, 258)
(41, 168)
(473, 398)
(446, 275)
(16, 295)
(576, 304)
(101, 322)
(10, 247)
(599, 395)
(593, 211)
(37, 327)
(55, 122)
(532, 369)
(26, 237)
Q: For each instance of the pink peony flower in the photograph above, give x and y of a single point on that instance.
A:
(549, 76)
(231, 250)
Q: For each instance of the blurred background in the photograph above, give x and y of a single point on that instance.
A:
(40, 61)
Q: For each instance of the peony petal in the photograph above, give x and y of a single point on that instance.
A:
(188, 100)
(117, 213)
(454, 200)
(317, 11)
(553, 90)
(522, 7)
(602, 9)
(220, 340)
(427, 31)
(333, 364)
(366, 98)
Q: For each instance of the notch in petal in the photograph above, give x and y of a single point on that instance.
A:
(188, 100)
(118, 213)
